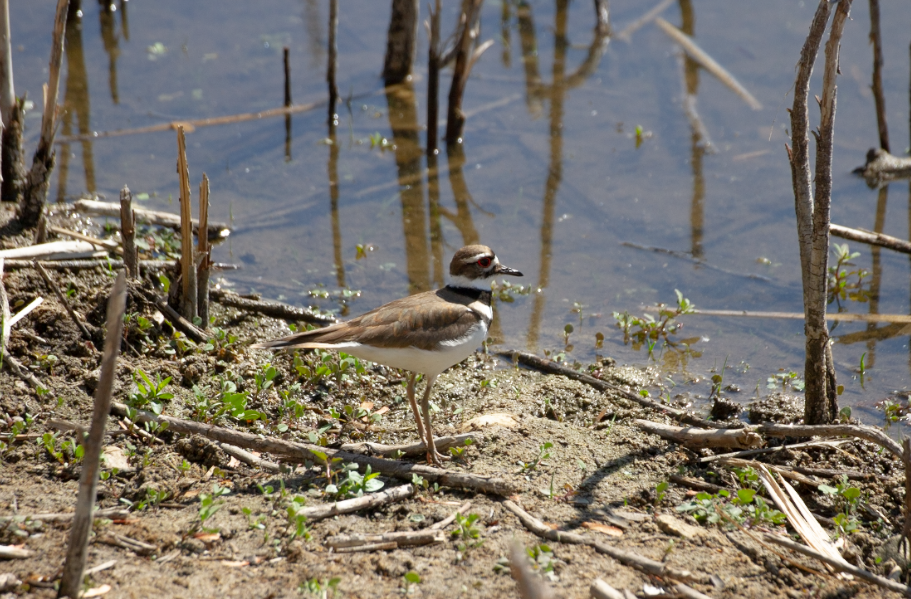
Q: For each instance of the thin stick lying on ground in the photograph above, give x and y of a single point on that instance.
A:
(152, 217)
(400, 539)
(128, 233)
(110, 246)
(411, 449)
(8, 552)
(871, 237)
(551, 367)
(116, 513)
(19, 369)
(707, 62)
(54, 250)
(451, 518)
(177, 321)
(628, 31)
(24, 311)
(365, 502)
(71, 579)
(107, 263)
(60, 297)
(273, 309)
(867, 433)
(602, 590)
(248, 458)
(627, 558)
(749, 452)
(842, 566)
(840, 317)
(739, 438)
(137, 547)
(529, 584)
(300, 453)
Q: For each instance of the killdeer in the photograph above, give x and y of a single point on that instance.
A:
(425, 333)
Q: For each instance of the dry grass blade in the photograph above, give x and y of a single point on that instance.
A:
(77, 550)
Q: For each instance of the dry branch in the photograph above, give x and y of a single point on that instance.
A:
(696, 438)
(602, 590)
(400, 539)
(108, 513)
(300, 453)
(551, 367)
(153, 217)
(101, 244)
(867, 433)
(101, 263)
(34, 190)
(54, 250)
(840, 565)
(273, 309)
(708, 63)
(783, 471)
(871, 237)
(365, 502)
(627, 558)
(137, 547)
(248, 458)
(411, 449)
(62, 299)
(177, 321)
(451, 518)
(71, 579)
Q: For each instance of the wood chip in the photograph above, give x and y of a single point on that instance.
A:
(607, 529)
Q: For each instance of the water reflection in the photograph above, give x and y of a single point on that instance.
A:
(75, 102)
(111, 44)
(698, 138)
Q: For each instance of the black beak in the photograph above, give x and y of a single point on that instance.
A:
(505, 270)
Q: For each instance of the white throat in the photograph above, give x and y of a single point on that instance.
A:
(465, 282)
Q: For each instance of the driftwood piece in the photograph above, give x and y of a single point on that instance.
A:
(128, 233)
(551, 367)
(10, 552)
(77, 550)
(400, 539)
(871, 238)
(273, 309)
(303, 452)
(602, 590)
(867, 433)
(882, 167)
(54, 250)
(627, 558)
(708, 63)
(365, 502)
(34, 189)
(840, 565)
(62, 299)
(411, 449)
(530, 586)
(165, 219)
(733, 438)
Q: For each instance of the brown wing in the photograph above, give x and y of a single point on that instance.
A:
(419, 321)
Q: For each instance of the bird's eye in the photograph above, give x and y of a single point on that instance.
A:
(484, 262)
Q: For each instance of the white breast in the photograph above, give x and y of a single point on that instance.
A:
(427, 362)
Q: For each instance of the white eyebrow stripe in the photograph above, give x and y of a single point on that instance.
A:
(477, 257)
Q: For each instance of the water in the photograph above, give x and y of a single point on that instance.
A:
(550, 173)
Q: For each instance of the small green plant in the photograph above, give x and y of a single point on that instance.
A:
(845, 283)
(297, 522)
(264, 378)
(458, 453)
(645, 330)
(660, 492)
(410, 579)
(543, 454)
(148, 395)
(543, 560)
(321, 589)
(468, 535)
(355, 484)
(505, 291)
(208, 505)
(67, 452)
(786, 380)
(847, 499)
(377, 140)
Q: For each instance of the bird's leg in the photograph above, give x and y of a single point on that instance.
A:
(414, 406)
(432, 455)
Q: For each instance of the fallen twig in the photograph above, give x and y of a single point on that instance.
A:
(840, 565)
(781, 470)
(738, 438)
(77, 549)
(871, 238)
(302, 453)
(60, 297)
(165, 219)
(102, 244)
(24, 312)
(551, 367)
(627, 558)
(628, 31)
(248, 458)
(177, 321)
(10, 552)
(411, 449)
(137, 547)
(867, 433)
(54, 250)
(602, 590)
(400, 539)
(451, 518)
(707, 62)
(365, 502)
(273, 309)
(749, 452)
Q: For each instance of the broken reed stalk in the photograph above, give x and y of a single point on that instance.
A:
(401, 41)
(128, 233)
(202, 252)
(12, 160)
(455, 118)
(433, 80)
(188, 297)
(34, 192)
(301, 453)
(71, 580)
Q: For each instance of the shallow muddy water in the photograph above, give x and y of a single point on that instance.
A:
(552, 172)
